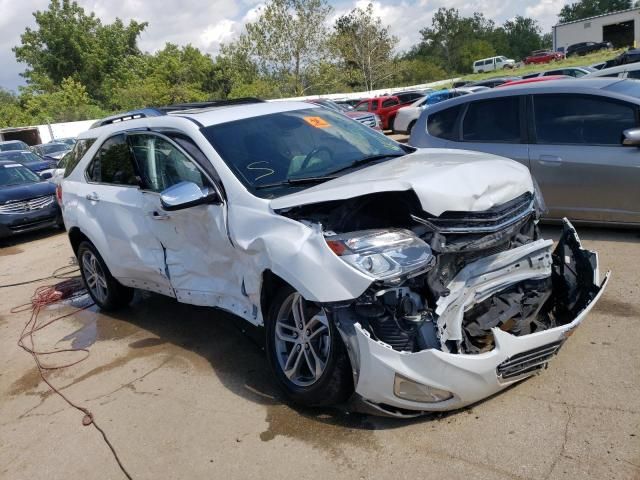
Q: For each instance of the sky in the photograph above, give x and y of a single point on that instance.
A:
(208, 23)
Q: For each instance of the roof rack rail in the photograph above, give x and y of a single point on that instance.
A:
(178, 107)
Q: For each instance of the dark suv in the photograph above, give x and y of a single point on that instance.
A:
(583, 48)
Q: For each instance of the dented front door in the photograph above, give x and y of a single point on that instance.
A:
(196, 250)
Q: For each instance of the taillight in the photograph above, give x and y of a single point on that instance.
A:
(59, 193)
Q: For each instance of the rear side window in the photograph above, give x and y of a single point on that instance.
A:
(74, 157)
(389, 103)
(633, 74)
(442, 124)
(113, 164)
(578, 119)
(496, 120)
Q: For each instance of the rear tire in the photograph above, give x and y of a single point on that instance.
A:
(305, 351)
(106, 291)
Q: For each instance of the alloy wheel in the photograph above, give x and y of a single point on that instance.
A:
(302, 340)
(94, 276)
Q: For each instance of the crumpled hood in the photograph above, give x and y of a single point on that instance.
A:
(443, 179)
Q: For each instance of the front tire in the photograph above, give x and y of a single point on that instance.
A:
(305, 351)
(106, 291)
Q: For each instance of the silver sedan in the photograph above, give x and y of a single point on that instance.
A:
(579, 138)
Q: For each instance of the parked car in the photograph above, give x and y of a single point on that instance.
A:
(579, 137)
(575, 72)
(630, 56)
(350, 102)
(534, 80)
(10, 145)
(493, 63)
(584, 48)
(598, 66)
(29, 159)
(366, 118)
(27, 202)
(629, 70)
(492, 82)
(461, 83)
(543, 56)
(53, 151)
(365, 260)
(407, 116)
(71, 141)
(385, 107)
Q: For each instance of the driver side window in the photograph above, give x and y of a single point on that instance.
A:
(162, 164)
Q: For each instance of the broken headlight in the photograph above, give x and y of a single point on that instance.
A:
(382, 254)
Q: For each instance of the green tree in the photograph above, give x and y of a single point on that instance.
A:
(288, 41)
(70, 102)
(416, 71)
(69, 43)
(11, 112)
(590, 8)
(472, 51)
(172, 75)
(450, 36)
(522, 36)
(364, 46)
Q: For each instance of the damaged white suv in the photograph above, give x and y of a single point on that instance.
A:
(405, 280)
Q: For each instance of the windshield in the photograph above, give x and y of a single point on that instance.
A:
(626, 87)
(302, 144)
(16, 174)
(53, 147)
(24, 158)
(6, 147)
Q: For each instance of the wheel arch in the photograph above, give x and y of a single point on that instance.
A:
(271, 283)
(76, 237)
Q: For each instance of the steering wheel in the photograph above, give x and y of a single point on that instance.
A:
(312, 154)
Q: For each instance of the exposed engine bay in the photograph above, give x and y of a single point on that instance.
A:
(467, 286)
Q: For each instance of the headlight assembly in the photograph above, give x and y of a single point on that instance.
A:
(382, 254)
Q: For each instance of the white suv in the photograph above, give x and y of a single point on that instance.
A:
(404, 280)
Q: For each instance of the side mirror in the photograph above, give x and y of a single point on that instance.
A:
(46, 175)
(187, 194)
(631, 137)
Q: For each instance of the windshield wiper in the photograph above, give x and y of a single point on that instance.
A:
(365, 160)
(296, 181)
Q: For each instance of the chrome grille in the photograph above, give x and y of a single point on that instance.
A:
(527, 362)
(24, 206)
(492, 220)
(368, 120)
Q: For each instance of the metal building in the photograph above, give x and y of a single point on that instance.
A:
(620, 28)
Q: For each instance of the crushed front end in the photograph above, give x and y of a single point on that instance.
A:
(464, 303)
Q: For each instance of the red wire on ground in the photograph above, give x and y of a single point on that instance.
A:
(42, 297)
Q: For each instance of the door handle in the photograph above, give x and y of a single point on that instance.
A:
(160, 216)
(550, 160)
(93, 196)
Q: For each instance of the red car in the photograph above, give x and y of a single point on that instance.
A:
(534, 80)
(387, 107)
(544, 56)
